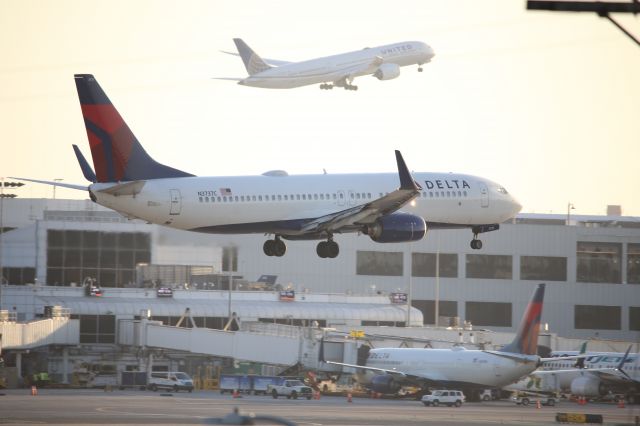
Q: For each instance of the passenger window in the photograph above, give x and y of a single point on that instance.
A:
(322, 196)
(334, 196)
(273, 198)
(448, 194)
(297, 196)
(236, 198)
(464, 193)
(279, 197)
(224, 199)
(315, 196)
(304, 197)
(253, 197)
(431, 195)
(206, 199)
(242, 198)
(358, 195)
(200, 199)
(341, 195)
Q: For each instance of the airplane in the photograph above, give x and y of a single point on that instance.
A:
(383, 62)
(595, 375)
(386, 370)
(304, 207)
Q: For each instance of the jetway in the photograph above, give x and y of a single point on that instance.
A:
(33, 334)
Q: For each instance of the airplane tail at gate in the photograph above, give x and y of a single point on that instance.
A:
(117, 154)
(526, 340)
(252, 62)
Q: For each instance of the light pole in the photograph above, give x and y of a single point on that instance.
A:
(54, 187)
(437, 301)
(570, 207)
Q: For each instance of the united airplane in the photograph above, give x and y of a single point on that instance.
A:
(383, 62)
(388, 369)
(388, 207)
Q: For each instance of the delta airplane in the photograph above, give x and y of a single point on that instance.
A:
(305, 207)
(383, 62)
(388, 369)
(595, 375)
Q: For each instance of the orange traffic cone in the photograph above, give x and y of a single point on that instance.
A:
(34, 390)
(538, 405)
(235, 393)
(621, 403)
(349, 397)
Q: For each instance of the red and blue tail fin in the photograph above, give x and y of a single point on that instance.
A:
(526, 340)
(117, 154)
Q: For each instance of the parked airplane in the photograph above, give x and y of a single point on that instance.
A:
(599, 374)
(383, 62)
(306, 207)
(388, 369)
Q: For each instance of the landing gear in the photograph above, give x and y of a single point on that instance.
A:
(476, 244)
(327, 249)
(326, 86)
(419, 69)
(350, 87)
(275, 247)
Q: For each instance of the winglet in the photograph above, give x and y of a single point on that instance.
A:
(87, 171)
(252, 62)
(624, 358)
(580, 362)
(406, 181)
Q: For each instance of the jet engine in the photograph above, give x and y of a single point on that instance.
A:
(588, 386)
(387, 72)
(384, 383)
(397, 228)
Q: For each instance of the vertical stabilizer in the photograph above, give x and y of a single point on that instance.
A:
(117, 154)
(526, 340)
(252, 62)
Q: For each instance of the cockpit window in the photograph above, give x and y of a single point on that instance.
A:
(502, 190)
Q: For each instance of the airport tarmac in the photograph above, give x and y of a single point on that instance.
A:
(96, 407)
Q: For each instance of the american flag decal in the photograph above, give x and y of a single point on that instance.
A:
(225, 191)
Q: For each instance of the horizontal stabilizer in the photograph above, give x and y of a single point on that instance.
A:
(128, 188)
(48, 182)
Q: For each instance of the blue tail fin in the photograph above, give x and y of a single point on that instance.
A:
(117, 154)
(526, 340)
(252, 62)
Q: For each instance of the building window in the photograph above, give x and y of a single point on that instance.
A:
(597, 317)
(97, 328)
(447, 311)
(18, 275)
(379, 263)
(599, 262)
(543, 268)
(424, 265)
(230, 259)
(634, 318)
(633, 264)
(494, 314)
(489, 266)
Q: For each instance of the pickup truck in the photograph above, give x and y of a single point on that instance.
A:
(292, 389)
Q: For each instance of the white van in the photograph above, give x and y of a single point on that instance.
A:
(170, 380)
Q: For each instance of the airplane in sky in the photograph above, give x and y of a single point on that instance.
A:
(383, 62)
(304, 207)
(597, 374)
(388, 369)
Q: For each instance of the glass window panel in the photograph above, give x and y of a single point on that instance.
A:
(107, 278)
(379, 263)
(424, 265)
(142, 257)
(88, 338)
(73, 258)
(126, 259)
(90, 258)
(126, 277)
(634, 318)
(109, 240)
(599, 262)
(73, 275)
(108, 259)
(106, 324)
(73, 239)
(106, 338)
(54, 276)
(55, 238)
(493, 314)
(126, 241)
(89, 324)
(597, 317)
(55, 257)
(91, 239)
(142, 241)
(633, 263)
(89, 273)
(29, 275)
(489, 266)
(543, 268)
(446, 308)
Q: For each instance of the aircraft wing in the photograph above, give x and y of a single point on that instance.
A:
(276, 62)
(367, 213)
(228, 78)
(348, 73)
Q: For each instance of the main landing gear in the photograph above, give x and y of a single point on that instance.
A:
(328, 249)
(326, 86)
(419, 68)
(275, 247)
(476, 244)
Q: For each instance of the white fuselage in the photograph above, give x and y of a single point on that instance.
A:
(456, 367)
(332, 68)
(258, 204)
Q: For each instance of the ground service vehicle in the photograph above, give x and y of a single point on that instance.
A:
(292, 389)
(532, 399)
(446, 397)
(170, 380)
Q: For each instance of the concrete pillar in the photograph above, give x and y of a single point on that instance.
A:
(65, 365)
(19, 365)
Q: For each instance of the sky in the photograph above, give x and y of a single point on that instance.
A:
(547, 104)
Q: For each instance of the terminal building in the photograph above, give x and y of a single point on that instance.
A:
(54, 253)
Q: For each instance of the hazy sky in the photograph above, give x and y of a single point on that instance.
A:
(547, 104)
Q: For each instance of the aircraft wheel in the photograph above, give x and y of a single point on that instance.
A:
(269, 247)
(332, 249)
(476, 244)
(420, 69)
(280, 248)
(435, 403)
(321, 250)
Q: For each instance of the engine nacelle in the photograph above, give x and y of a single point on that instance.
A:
(387, 72)
(384, 383)
(397, 228)
(587, 386)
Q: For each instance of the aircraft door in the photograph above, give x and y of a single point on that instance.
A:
(351, 198)
(484, 195)
(176, 202)
(341, 198)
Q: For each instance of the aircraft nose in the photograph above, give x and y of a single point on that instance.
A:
(516, 206)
